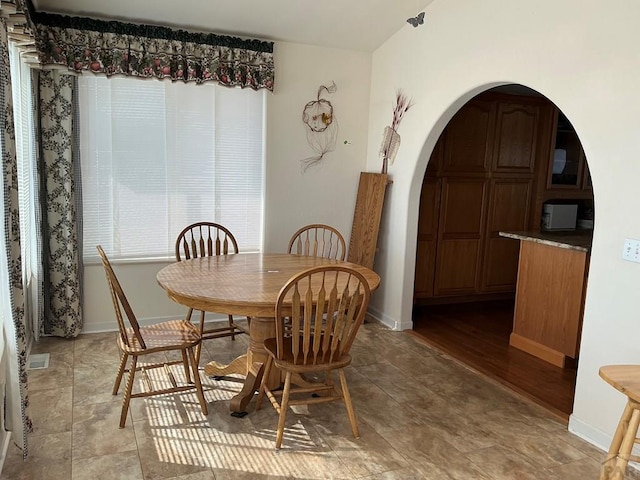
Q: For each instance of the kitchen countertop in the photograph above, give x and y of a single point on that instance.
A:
(572, 240)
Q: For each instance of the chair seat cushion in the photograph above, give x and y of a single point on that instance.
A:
(288, 361)
(170, 335)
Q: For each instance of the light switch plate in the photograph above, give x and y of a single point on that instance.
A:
(631, 250)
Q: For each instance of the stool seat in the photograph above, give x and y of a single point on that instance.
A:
(625, 379)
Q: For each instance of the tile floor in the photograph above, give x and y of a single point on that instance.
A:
(421, 415)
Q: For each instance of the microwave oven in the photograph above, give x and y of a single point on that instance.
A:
(557, 216)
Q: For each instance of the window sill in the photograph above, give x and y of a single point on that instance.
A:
(90, 261)
(95, 260)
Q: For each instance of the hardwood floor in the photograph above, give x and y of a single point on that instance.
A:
(477, 334)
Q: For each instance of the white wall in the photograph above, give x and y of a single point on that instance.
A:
(324, 194)
(148, 300)
(583, 55)
(327, 193)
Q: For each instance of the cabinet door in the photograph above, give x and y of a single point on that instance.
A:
(516, 135)
(427, 238)
(509, 202)
(469, 138)
(460, 235)
(567, 158)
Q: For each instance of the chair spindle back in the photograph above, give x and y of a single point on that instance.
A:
(318, 240)
(204, 239)
(318, 313)
(120, 303)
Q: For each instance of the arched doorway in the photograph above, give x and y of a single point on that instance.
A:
(504, 156)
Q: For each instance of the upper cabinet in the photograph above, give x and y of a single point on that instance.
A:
(468, 138)
(517, 127)
(567, 165)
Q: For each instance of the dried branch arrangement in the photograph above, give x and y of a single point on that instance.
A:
(390, 136)
(403, 103)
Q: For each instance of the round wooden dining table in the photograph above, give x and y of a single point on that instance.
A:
(244, 284)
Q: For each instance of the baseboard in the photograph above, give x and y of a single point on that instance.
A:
(6, 441)
(596, 437)
(388, 321)
(457, 299)
(102, 327)
(112, 326)
(587, 432)
(537, 350)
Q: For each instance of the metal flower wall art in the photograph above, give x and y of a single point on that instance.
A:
(321, 126)
(390, 136)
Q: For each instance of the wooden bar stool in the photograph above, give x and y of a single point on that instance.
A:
(626, 379)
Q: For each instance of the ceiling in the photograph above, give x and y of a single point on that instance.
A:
(350, 24)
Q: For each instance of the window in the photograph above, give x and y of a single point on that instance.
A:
(27, 186)
(157, 156)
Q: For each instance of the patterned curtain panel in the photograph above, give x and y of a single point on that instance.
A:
(111, 48)
(58, 169)
(17, 400)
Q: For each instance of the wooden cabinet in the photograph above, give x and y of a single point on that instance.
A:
(427, 237)
(516, 142)
(468, 139)
(509, 209)
(549, 301)
(567, 174)
(567, 162)
(460, 235)
(564, 175)
(480, 180)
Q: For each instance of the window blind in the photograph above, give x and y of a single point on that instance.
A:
(157, 156)
(27, 186)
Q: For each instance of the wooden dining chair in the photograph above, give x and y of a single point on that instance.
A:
(206, 239)
(135, 341)
(318, 313)
(625, 379)
(318, 240)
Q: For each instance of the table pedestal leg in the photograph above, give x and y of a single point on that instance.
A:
(260, 329)
(252, 365)
(251, 383)
(216, 369)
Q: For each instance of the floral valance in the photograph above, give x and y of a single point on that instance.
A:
(117, 48)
